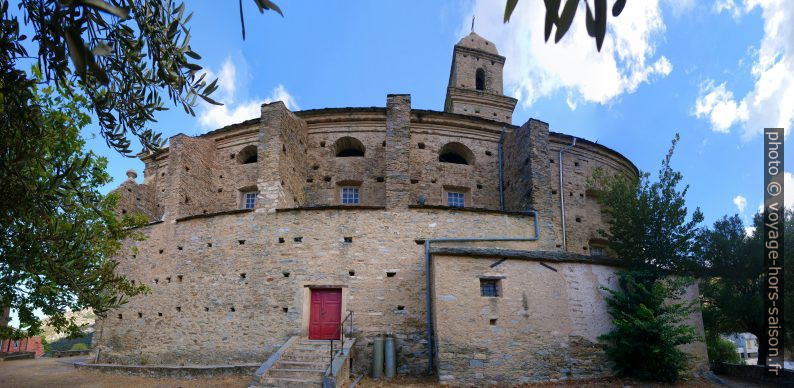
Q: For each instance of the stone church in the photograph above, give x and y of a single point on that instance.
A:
(472, 241)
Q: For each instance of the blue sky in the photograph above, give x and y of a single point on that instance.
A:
(715, 72)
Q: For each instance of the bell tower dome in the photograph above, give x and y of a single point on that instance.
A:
(475, 81)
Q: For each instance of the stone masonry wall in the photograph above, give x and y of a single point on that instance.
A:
(465, 63)
(398, 149)
(189, 176)
(135, 198)
(583, 217)
(231, 288)
(327, 173)
(543, 326)
(526, 185)
(429, 176)
(282, 158)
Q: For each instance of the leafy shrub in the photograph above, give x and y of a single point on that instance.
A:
(722, 350)
(45, 345)
(648, 330)
(79, 346)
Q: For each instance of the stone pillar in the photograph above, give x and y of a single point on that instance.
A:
(526, 165)
(189, 187)
(398, 147)
(282, 161)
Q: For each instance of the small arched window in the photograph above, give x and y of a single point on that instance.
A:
(456, 153)
(247, 155)
(348, 146)
(479, 79)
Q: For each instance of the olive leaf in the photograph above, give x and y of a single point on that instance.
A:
(595, 23)
(566, 18)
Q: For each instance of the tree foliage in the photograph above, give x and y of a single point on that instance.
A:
(722, 350)
(58, 231)
(648, 327)
(733, 284)
(648, 227)
(647, 220)
(118, 60)
(595, 18)
(126, 57)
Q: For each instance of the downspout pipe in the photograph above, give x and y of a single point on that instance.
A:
(429, 282)
(501, 179)
(562, 195)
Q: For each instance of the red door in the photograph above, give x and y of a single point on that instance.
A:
(325, 313)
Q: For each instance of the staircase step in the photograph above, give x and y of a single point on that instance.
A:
(306, 364)
(308, 374)
(319, 358)
(310, 353)
(290, 382)
(314, 347)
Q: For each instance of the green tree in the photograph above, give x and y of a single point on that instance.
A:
(59, 232)
(117, 59)
(647, 220)
(648, 329)
(45, 345)
(722, 350)
(648, 227)
(734, 282)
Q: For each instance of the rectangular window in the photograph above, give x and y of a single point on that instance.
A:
(489, 287)
(249, 200)
(597, 251)
(349, 195)
(455, 199)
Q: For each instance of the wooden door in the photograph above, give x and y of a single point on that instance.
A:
(325, 313)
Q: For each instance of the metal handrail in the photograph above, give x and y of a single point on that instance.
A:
(340, 327)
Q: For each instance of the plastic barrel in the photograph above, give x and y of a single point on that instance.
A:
(390, 356)
(377, 357)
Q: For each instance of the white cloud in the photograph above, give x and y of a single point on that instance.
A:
(536, 68)
(728, 6)
(718, 105)
(740, 202)
(749, 230)
(570, 101)
(216, 116)
(771, 101)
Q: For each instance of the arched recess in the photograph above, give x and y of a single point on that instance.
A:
(247, 155)
(479, 79)
(456, 153)
(348, 146)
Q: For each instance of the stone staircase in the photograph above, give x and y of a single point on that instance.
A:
(300, 363)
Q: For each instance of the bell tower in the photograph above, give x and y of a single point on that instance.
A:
(475, 81)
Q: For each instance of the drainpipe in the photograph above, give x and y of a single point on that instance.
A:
(501, 187)
(429, 282)
(562, 195)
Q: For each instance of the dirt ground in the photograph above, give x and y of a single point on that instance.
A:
(59, 372)
(429, 382)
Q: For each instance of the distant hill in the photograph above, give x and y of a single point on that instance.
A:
(82, 317)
